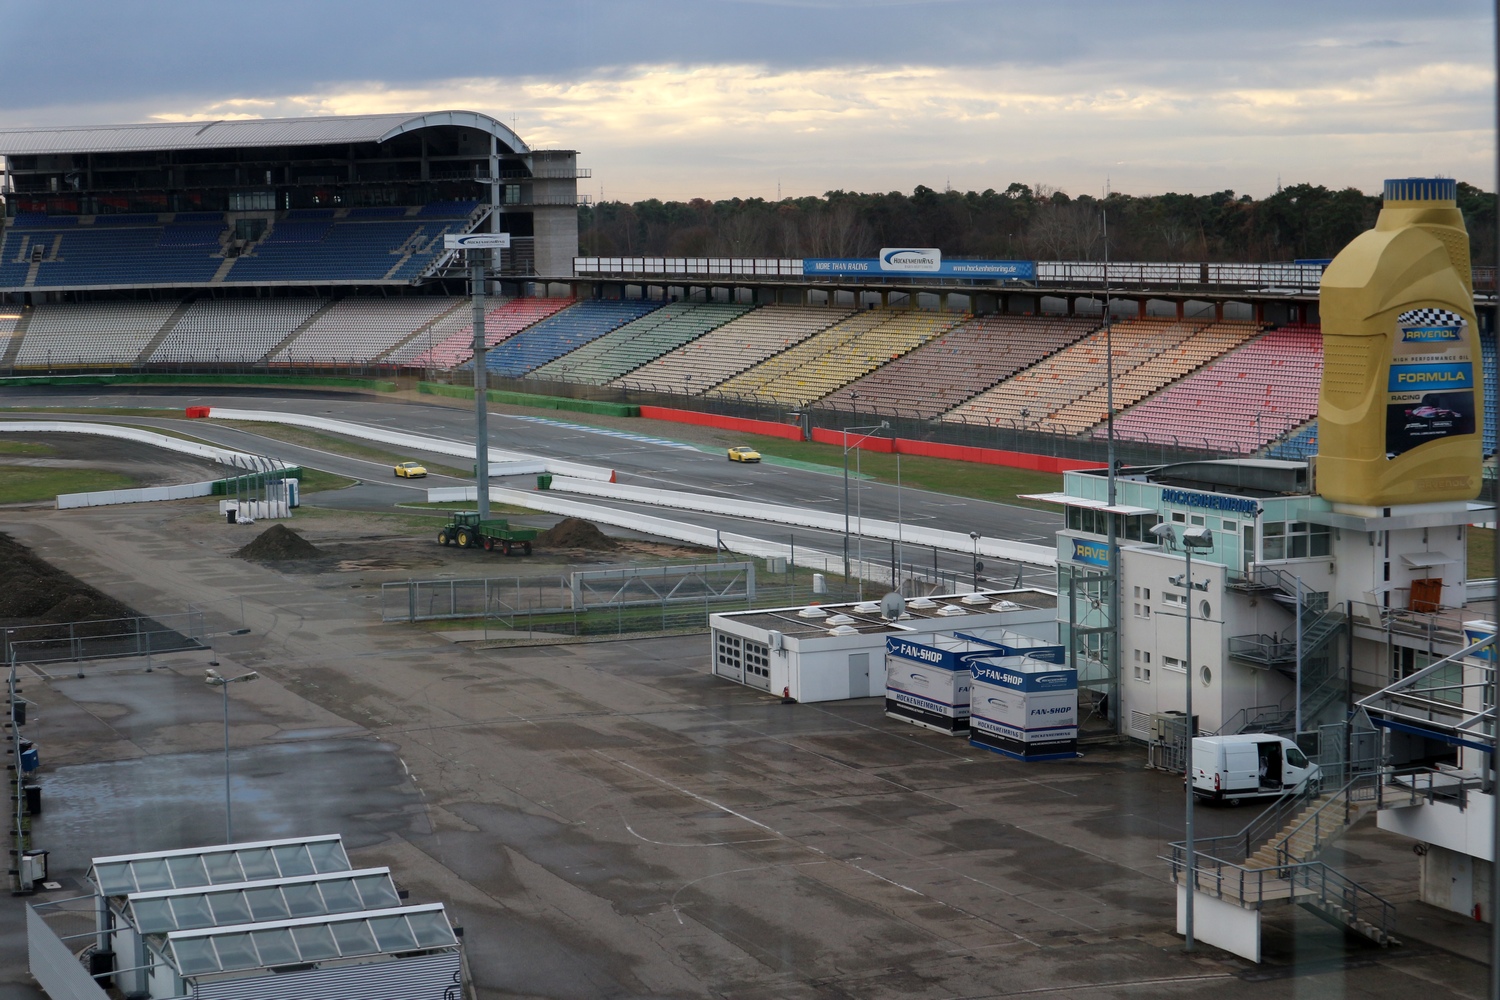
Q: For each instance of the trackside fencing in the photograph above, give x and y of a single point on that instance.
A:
(107, 639)
(633, 586)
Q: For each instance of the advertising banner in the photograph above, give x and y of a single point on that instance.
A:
(911, 263)
(1430, 389)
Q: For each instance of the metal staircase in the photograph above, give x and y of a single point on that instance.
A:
(1322, 682)
(1280, 862)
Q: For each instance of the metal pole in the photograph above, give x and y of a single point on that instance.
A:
(228, 815)
(481, 401)
(1297, 715)
(899, 539)
(1192, 860)
(1112, 539)
(846, 508)
(1493, 405)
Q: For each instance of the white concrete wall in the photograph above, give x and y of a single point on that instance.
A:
(1455, 881)
(1443, 824)
(1221, 924)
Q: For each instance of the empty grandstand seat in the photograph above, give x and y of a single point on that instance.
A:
(739, 344)
(448, 342)
(361, 329)
(563, 332)
(640, 341)
(1240, 401)
(966, 360)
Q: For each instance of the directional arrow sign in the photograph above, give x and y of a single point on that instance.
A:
(478, 241)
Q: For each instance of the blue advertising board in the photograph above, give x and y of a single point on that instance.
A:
(981, 270)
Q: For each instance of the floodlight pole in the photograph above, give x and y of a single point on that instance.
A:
(871, 429)
(1191, 874)
(215, 679)
(481, 400)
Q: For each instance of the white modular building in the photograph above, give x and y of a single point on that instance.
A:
(834, 652)
(928, 679)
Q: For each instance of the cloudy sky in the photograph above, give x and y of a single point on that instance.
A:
(717, 98)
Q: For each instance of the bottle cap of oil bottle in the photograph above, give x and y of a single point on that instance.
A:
(1401, 410)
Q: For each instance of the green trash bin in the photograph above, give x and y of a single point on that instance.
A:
(544, 481)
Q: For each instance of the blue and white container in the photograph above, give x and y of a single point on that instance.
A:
(1025, 706)
(927, 679)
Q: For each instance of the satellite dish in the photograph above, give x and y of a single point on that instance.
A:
(892, 606)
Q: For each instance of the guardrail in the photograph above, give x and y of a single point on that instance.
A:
(1424, 786)
(1332, 817)
(1304, 882)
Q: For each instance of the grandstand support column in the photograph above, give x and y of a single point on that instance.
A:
(481, 399)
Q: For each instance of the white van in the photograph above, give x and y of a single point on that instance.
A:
(1250, 766)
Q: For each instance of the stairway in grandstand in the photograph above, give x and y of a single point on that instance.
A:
(639, 342)
(739, 344)
(842, 353)
(1030, 398)
(964, 361)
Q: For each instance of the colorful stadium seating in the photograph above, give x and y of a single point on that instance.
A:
(1239, 402)
(703, 363)
(638, 342)
(1029, 399)
(1160, 369)
(563, 332)
(450, 342)
(964, 361)
(824, 362)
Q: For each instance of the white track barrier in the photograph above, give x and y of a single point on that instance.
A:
(502, 463)
(224, 456)
(948, 541)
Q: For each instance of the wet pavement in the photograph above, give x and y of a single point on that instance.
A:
(607, 820)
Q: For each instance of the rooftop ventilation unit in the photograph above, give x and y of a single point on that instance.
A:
(812, 612)
(843, 630)
(951, 610)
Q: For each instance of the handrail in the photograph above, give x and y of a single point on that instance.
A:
(1249, 886)
(1367, 783)
(1455, 789)
(1260, 829)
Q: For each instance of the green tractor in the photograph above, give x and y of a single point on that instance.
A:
(467, 531)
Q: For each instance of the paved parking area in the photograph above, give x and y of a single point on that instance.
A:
(607, 820)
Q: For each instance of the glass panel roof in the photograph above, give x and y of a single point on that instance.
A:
(369, 933)
(121, 876)
(307, 896)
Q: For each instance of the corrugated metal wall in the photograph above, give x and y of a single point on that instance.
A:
(426, 977)
(57, 969)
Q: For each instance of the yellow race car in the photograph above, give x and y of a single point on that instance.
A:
(743, 453)
(410, 470)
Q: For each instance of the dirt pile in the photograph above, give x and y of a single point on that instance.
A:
(35, 592)
(279, 543)
(576, 533)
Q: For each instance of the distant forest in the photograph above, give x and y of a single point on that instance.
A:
(1021, 222)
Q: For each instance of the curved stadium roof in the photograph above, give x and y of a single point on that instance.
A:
(224, 133)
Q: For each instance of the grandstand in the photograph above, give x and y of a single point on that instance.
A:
(113, 333)
(840, 354)
(1239, 402)
(358, 329)
(350, 200)
(450, 343)
(215, 331)
(965, 361)
(562, 332)
(1160, 369)
(638, 342)
(1029, 399)
(737, 345)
